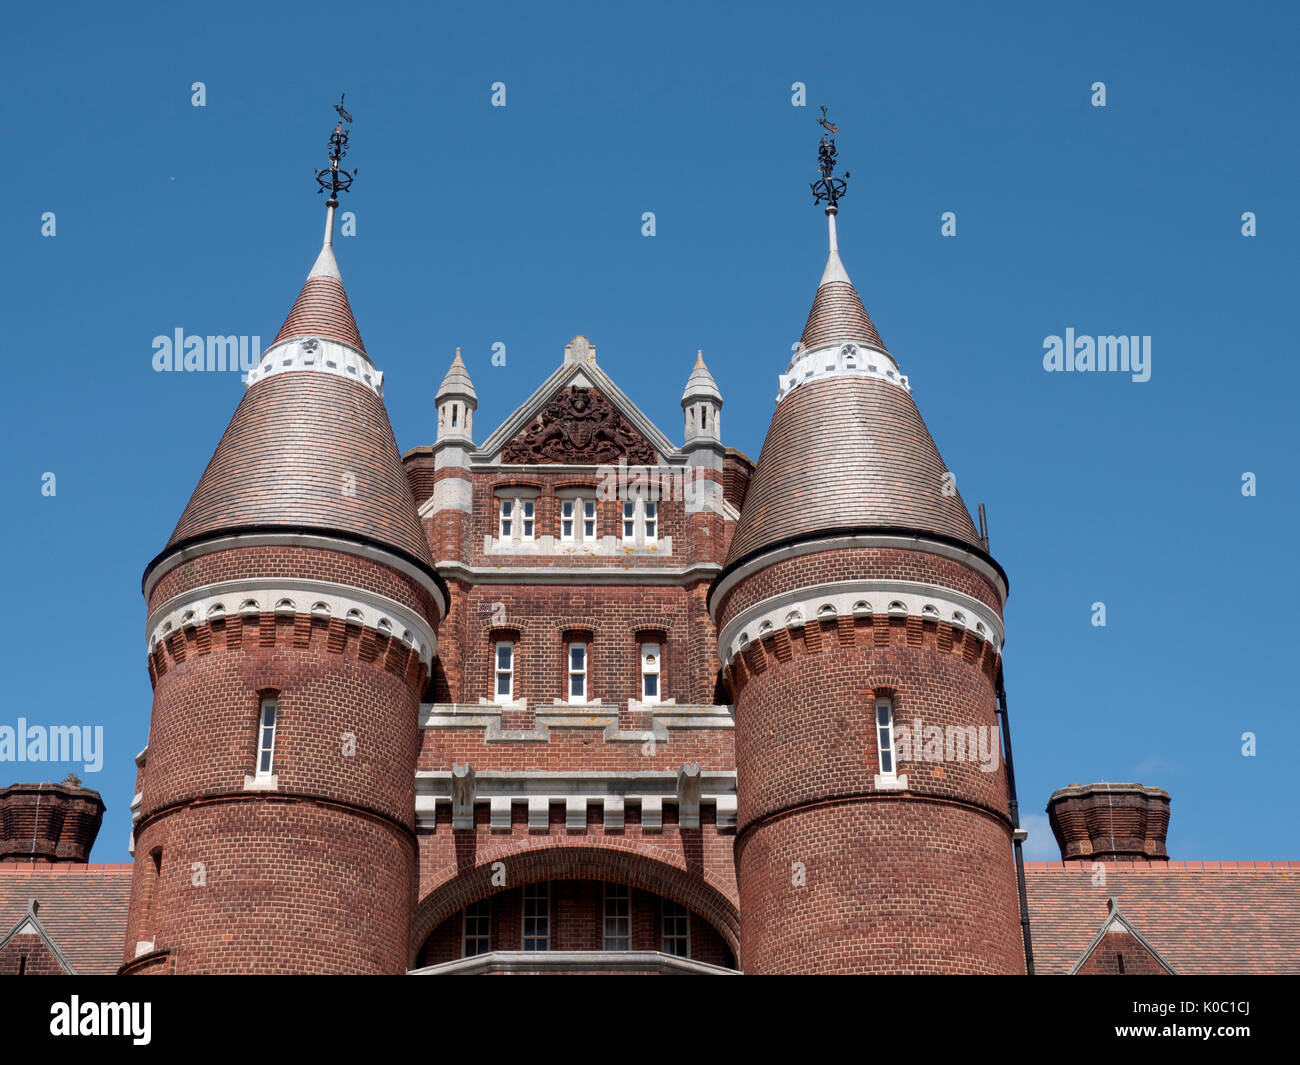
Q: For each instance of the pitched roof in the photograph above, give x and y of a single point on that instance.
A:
(82, 909)
(1201, 917)
(846, 449)
(309, 448)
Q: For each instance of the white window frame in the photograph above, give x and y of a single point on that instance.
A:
(506, 517)
(625, 521)
(676, 936)
(498, 672)
(649, 520)
(617, 913)
(527, 518)
(569, 521)
(590, 525)
(886, 745)
(480, 914)
(537, 908)
(266, 738)
(571, 673)
(652, 666)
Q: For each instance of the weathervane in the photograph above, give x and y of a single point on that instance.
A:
(333, 179)
(828, 187)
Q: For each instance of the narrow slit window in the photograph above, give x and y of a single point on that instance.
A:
(455, 415)
(505, 669)
(577, 672)
(266, 737)
(885, 736)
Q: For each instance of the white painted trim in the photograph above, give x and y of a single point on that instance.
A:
(582, 961)
(320, 541)
(575, 575)
(266, 595)
(794, 609)
(322, 356)
(833, 360)
(830, 543)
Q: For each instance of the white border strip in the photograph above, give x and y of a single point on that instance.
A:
(322, 356)
(806, 606)
(276, 595)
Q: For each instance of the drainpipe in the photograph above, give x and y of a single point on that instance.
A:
(1018, 835)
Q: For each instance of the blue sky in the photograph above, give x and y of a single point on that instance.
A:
(522, 225)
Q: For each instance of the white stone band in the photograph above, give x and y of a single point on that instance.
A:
(278, 595)
(323, 356)
(806, 606)
(840, 360)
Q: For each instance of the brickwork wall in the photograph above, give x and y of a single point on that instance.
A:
(694, 867)
(1119, 954)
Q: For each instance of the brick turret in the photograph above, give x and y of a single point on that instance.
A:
(860, 627)
(291, 630)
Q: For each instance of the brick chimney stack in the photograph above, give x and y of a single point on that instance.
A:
(1110, 822)
(48, 822)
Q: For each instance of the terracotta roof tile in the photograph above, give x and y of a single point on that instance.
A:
(847, 451)
(308, 449)
(1203, 917)
(82, 907)
(322, 310)
(837, 315)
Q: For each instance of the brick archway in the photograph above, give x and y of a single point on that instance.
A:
(567, 862)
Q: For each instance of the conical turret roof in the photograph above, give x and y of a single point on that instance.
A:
(847, 447)
(457, 382)
(310, 445)
(701, 382)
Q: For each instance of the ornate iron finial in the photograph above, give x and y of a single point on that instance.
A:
(332, 179)
(828, 187)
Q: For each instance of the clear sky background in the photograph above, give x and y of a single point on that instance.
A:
(522, 225)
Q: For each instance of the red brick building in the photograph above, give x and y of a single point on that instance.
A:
(568, 696)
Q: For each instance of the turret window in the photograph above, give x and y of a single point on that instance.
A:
(266, 738)
(885, 737)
